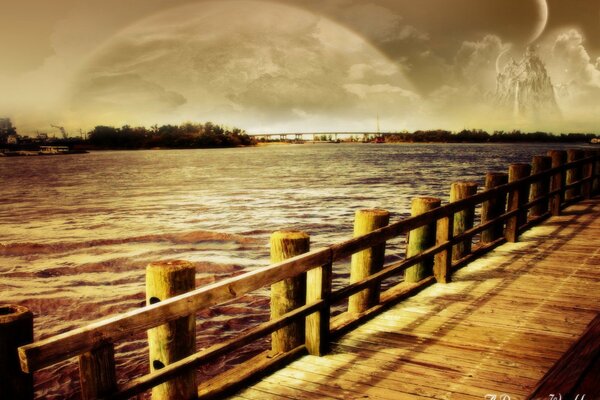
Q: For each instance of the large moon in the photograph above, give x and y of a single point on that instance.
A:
(542, 20)
(257, 65)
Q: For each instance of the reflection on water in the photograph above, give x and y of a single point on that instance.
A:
(78, 230)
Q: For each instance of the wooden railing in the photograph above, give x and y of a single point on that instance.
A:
(553, 187)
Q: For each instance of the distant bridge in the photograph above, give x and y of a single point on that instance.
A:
(298, 136)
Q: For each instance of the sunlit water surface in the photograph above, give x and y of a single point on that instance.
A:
(77, 231)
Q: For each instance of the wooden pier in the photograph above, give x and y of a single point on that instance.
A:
(496, 329)
(499, 300)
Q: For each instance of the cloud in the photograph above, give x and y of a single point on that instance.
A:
(401, 40)
(574, 59)
(373, 70)
(364, 90)
(475, 61)
(129, 90)
(107, 99)
(577, 81)
(48, 43)
(380, 24)
(463, 96)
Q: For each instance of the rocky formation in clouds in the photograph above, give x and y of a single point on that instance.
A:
(524, 88)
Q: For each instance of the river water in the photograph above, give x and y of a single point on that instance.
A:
(77, 231)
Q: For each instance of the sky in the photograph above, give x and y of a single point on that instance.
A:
(292, 65)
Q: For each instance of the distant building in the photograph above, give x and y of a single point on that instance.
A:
(6, 130)
(6, 126)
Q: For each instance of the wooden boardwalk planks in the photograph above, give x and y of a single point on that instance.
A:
(498, 328)
(578, 371)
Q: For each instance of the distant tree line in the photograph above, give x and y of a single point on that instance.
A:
(186, 136)
(480, 136)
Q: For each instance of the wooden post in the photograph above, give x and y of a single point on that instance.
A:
(559, 158)
(541, 187)
(494, 207)
(442, 262)
(289, 294)
(596, 182)
(318, 287)
(574, 174)
(16, 329)
(463, 220)
(97, 373)
(177, 339)
(367, 262)
(421, 239)
(588, 173)
(516, 199)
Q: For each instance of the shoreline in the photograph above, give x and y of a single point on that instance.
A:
(32, 153)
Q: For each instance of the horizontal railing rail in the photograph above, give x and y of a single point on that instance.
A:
(565, 183)
(69, 344)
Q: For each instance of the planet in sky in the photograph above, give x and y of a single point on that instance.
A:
(261, 66)
(542, 20)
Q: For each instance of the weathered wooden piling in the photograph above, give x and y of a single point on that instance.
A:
(290, 293)
(16, 329)
(542, 186)
(421, 239)
(367, 262)
(588, 173)
(596, 168)
(574, 174)
(559, 158)
(517, 198)
(494, 207)
(463, 220)
(442, 261)
(174, 340)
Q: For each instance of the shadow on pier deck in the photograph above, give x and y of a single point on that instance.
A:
(512, 323)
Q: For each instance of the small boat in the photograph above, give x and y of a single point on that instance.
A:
(43, 151)
(57, 150)
(53, 150)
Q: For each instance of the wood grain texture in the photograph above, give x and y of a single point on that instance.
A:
(442, 262)
(421, 239)
(175, 340)
(318, 287)
(576, 373)
(16, 329)
(517, 197)
(588, 173)
(574, 174)
(497, 328)
(367, 262)
(558, 179)
(97, 373)
(288, 294)
(494, 207)
(463, 220)
(540, 188)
